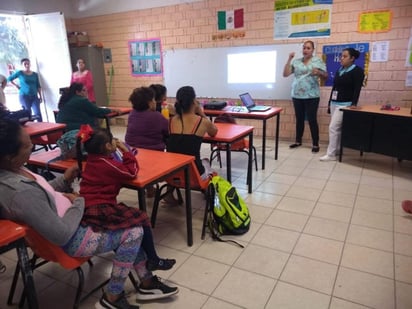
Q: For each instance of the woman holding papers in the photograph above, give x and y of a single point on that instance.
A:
(305, 91)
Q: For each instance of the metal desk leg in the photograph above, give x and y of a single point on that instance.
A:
(250, 169)
(141, 196)
(107, 119)
(188, 203)
(277, 136)
(229, 162)
(263, 144)
(27, 274)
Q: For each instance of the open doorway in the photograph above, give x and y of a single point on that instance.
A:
(43, 39)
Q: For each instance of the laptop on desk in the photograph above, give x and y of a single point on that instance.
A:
(247, 101)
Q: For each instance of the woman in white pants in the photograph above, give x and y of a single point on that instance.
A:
(345, 92)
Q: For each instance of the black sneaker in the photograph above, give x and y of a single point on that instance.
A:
(157, 290)
(162, 264)
(120, 303)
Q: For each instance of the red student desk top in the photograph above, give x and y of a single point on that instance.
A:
(262, 116)
(229, 133)
(152, 164)
(42, 128)
(118, 111)
(244, 113)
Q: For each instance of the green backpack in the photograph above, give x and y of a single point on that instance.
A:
(230, 214)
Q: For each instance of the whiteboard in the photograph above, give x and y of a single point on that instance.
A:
(206, 70)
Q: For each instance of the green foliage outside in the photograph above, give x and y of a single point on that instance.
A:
(12, 41)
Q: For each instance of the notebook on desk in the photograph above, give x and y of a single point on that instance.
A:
(247, 101)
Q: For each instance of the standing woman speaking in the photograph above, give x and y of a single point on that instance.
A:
(29, 88)
(305, 91)
(85, 77)
(347, 85)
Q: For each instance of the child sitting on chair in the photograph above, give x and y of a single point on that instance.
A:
(101, 181)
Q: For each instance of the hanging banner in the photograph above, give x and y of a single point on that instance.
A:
(302, 18)
(331, 56)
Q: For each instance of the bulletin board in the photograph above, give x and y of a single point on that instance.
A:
(206, 70)
(145, 57)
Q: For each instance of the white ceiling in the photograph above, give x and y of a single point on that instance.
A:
(83, 8)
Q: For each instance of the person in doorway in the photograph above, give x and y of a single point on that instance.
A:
(347, 85)
(85, 77)
(30, 95)
(19, 185)
(305, 91)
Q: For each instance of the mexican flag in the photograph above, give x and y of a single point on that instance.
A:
(230, 19)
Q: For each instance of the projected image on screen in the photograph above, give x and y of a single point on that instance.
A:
(251, 68)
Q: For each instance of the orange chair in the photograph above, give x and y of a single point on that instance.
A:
(12, 236)
(178, 181)
(49, 252)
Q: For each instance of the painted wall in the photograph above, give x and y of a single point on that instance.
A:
(192, 25)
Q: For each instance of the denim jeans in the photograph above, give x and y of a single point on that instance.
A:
(31, 103)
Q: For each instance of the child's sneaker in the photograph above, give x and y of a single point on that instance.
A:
(162, 264)
(120, 303)
(157, 290)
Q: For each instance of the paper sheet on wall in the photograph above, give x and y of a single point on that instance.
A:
(302, 19)
(408, 62)
(408, 80)
(380, 51)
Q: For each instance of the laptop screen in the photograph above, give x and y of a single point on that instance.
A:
(247, 100)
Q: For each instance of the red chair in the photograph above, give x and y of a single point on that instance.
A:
(49, 252)
(12, 236)
(177, 181)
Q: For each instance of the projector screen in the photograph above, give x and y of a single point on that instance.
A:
(226, 72)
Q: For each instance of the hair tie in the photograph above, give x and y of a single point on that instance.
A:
(85, 133)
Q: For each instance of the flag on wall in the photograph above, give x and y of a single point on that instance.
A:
(230, 19)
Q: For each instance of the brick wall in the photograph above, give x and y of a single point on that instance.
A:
(192, 26)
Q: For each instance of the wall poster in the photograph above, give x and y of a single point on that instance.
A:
(331, 56)
(145, 57)
(302, 18)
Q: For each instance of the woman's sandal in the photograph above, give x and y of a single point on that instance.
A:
(295, 145)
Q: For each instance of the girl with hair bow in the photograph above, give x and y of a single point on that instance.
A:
(101, 181)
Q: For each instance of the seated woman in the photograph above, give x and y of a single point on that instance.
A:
(146, 128)
(61, 224)
(160, 95)
(75, 109)
(188, 127)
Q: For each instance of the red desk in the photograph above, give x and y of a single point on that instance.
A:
(228, 134)
(155, 166)
(264, 116)
(119, 111)
(35, 129)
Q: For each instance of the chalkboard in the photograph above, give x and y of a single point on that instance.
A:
(206, 70)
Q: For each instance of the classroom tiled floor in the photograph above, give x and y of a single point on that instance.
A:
(323, 235)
